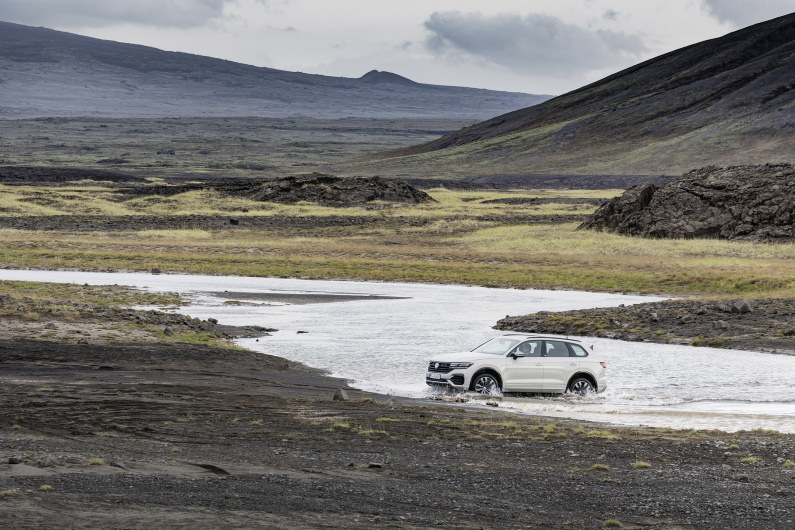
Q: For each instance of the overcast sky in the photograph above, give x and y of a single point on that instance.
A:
(535, 46)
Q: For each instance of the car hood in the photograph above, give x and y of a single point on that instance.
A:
(462, 357)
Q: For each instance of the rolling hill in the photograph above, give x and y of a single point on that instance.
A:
(47, 73)
(724, 101)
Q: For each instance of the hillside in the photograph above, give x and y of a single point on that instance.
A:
(46, 73)
(724, 101)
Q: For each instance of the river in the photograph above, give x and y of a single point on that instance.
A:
(382, 339)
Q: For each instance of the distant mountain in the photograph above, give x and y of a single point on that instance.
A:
(47, 73)
(726, 101)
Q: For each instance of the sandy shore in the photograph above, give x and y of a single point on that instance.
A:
(178, 435)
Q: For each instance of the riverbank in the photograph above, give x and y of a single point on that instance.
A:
(173, 435)
(763, 324)
(108, 433)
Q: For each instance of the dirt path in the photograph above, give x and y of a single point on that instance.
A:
(176, 435)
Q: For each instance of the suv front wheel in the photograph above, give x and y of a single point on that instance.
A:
(486, 383)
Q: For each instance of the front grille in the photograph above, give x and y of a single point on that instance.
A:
(439, 368)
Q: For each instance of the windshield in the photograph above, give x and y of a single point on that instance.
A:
(497, 346)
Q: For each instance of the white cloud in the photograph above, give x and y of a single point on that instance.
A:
(741, 13)
(533, 44)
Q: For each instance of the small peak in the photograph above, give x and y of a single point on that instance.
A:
(376, 76)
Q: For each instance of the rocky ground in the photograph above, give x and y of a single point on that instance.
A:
(133, 434)
(765, 324)
(754, 203)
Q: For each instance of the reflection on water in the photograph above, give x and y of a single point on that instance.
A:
(383, 344)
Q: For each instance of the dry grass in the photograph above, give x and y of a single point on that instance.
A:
(459, 239)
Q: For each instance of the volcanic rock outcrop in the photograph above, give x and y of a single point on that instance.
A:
(738, 202)
(330, 190)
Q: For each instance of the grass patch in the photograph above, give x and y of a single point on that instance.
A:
(788, 463)
(386, 420)
(95, 462)
(339, 426)
(612, 523)
(602, 434)
(750, 459)
(10, 492)
(640, 464)
(371, 432)
(109, 295)
(600, 467)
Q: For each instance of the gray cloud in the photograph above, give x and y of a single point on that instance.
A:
(741, 13)
(168, 13)
(538, 44)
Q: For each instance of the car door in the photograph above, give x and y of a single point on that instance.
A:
(559, 366)
(524, 373)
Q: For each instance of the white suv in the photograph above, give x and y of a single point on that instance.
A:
(520, 363)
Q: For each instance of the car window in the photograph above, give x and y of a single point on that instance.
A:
(497, 346)
(530, 348)
(578, 350)
(556, 348)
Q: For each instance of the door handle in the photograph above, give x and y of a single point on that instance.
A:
(538, 364)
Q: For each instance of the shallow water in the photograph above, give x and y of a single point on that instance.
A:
(383, 345)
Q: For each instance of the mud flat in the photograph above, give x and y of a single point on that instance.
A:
(97, 433)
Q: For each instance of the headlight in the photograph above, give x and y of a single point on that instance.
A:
(460, 365)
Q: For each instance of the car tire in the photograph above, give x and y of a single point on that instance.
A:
(486, 383)
(581, 386)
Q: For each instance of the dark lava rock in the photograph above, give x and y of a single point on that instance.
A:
(341, 395)
(613, 215)
(738, 202)
(118, 463)
(741, 307)
(330, 190)
(14, 460)
(36, 174)
(48, 461)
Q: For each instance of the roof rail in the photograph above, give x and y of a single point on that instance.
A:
(537, 336)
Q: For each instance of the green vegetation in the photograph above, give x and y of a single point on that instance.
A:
(612, 523)
(640, 464)
(110, 295)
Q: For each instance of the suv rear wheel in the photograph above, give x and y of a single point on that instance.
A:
(581, 386)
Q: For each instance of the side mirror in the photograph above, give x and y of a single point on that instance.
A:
(516, 354)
